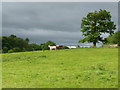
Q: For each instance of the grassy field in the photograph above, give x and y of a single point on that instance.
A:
(70, 68)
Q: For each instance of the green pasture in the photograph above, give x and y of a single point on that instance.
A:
(70, 68)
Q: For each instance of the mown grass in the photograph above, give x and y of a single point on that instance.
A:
(70, 68)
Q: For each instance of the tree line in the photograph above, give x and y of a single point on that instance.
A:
(13, 43)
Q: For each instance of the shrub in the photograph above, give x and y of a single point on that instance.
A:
(13, 41)
(114, 38)
(10, 51)
(5, 50)
(17, 49)
(33, 47)
(64, 47)
(44, 46)
(24, 50)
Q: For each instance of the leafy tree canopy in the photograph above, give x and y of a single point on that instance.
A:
(95, 24)
(13, 42)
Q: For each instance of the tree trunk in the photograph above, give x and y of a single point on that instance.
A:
(94, 44)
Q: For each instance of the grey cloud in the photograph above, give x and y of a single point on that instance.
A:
(54, 21)
(41, 35)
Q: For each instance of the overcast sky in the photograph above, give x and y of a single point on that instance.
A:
(59, 22)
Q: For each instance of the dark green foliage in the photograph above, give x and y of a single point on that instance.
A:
(50, 43)
(95, 24)
(13, 36)
(0, 43)
(114, 38)
(27, 39)
(64, 47)
(16, 49)
(5, 50)
(24, 50)
(10, 51)
(44, 46)
(13, 42)
(0, 51)
(33, 47)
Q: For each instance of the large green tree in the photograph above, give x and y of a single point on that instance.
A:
(95, 24)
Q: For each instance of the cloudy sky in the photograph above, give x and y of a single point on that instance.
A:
(56, 21)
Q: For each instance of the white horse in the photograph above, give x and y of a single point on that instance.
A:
(52, 47)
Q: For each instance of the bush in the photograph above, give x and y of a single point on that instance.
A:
(33, 47)
(13, 41)
(5, 50)
(50, 43)
(24, 50)
(114, 39)
(64, 47)
(44, 46)
(10, 51)
(17, 49)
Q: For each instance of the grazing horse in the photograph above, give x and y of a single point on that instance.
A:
(52, 47)
(59, 47)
